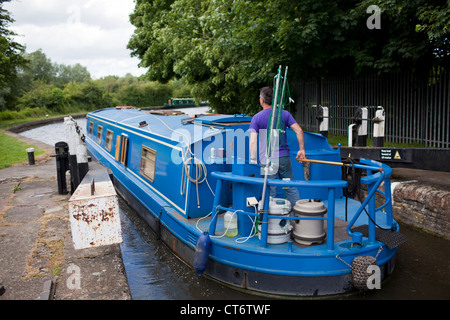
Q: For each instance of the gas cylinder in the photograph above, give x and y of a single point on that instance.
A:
(279, 230)
(308, 232)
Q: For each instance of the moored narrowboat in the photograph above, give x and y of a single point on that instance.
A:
(192, 181)
(180, 103)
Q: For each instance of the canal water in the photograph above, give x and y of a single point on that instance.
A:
(154, 273)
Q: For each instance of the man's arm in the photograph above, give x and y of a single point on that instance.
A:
(301, 141)
(253, 147)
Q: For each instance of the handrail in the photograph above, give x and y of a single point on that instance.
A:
(331, 185)
(373, 180)
(356, 236)
(277, 182)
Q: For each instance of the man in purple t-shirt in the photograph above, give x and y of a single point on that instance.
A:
(282, 167)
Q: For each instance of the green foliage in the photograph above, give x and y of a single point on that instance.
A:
(228, 49)
(139, 92)
(31, 85)
(67, 74)
(144, 94)
(434, 21)
(27, 113)
(59, 89)
(40, 68)
(85, 96)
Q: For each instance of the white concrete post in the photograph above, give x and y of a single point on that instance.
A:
(78, 151)
(362, 130)
(378, 127)
(323, 128)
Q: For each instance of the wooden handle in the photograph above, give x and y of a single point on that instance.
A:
(326, 162)
(342, 164)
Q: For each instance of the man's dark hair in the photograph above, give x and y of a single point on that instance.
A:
(266, 94)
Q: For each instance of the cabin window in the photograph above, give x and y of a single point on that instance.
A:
(99, 134)
(109, 140)
(148, 163)
(123, 147)
(118, 143)
(91, 128)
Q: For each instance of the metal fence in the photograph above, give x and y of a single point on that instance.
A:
(416, 110)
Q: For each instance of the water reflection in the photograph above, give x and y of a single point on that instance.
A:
(155, 273)
(52, 133)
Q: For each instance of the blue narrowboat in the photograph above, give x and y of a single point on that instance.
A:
(191, 180)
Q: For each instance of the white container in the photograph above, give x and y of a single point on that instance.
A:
(230, 224)
(279, 230)
(308, 232)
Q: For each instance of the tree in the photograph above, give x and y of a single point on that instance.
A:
(229, 49)
(11, 55)
(44, 96)
(397, 45)
(66, 74)
(148, 17)
(42, 69)
(434, 21)
(39, 69)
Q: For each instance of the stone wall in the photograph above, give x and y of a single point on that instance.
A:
(424, 207)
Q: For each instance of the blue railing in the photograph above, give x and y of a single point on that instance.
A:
(376, 173)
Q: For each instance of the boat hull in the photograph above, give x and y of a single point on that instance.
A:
(245, 279)
(257, 266)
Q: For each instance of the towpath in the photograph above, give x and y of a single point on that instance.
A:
(38, 259)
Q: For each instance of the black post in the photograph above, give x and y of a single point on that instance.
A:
(62, 165)
(30, 152)
(74, 174)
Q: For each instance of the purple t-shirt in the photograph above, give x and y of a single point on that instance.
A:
(259, 124)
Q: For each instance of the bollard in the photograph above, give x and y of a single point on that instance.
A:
(78, 156)
(378, 127)
(62, 165)
(323, 121)
(351, 135)
(360, 119)
(30, 152)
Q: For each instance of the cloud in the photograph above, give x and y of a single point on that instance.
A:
(93, 33)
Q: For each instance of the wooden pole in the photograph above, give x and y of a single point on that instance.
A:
(327, 162)
(356, 165)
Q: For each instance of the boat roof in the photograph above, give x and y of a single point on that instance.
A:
(169, 125)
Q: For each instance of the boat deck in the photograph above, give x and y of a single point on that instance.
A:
(340, 230)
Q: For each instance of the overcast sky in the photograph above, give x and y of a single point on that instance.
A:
(94, 33)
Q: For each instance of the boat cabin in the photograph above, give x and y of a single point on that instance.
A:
(175, 155)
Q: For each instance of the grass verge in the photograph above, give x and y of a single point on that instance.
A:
(334, 140)
(13, 151)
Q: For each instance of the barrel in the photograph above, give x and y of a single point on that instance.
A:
(308, 232)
